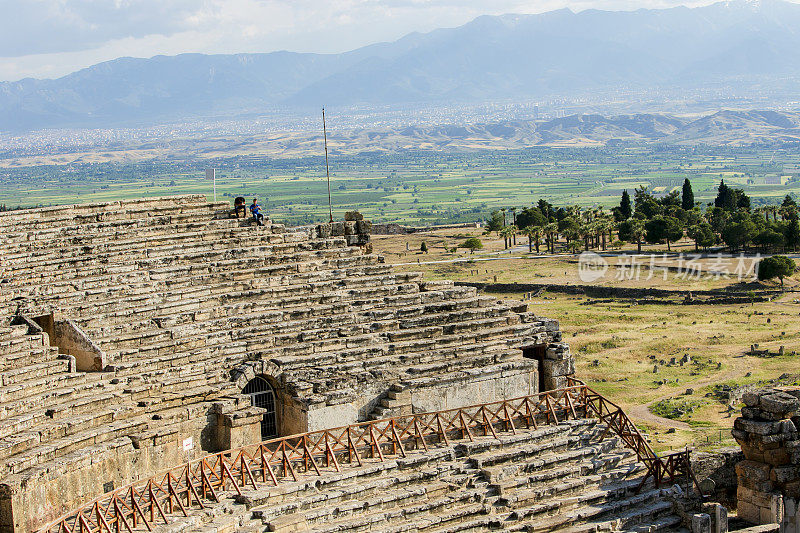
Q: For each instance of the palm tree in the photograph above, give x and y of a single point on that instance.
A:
(585, 231)
(506, 233)
(538, 231)
(605, 225)
(551, 231)
(530, 232)
(573, 236)
(637, 232)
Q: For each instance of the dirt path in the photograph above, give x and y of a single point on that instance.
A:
(642, 413)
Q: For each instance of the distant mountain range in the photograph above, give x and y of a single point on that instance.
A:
(488, 59)
(724, 128)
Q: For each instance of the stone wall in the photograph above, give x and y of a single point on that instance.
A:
(72, 340)
(719, 296)
(767, 431)
(399, 229)
(29, 502)
(716, 473)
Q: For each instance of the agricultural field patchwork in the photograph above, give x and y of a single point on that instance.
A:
(413, 187)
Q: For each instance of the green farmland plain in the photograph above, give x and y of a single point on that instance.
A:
(416, 187)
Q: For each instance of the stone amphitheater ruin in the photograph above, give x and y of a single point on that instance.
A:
(166, 367)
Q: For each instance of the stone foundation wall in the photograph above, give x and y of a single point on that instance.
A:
(716, 473)
(32, 502)
(767, 431)
(28, 503)
(487, 386)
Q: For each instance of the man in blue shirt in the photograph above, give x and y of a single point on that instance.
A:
(255, 209)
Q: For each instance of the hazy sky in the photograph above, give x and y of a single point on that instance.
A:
(50, 38)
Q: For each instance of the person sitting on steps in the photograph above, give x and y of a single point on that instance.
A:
(238, 205)
(255, 209)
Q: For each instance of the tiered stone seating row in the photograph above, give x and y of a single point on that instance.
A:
(99, 307)
(37, 386)
(53, 418)
(556, 478)
(43, 223)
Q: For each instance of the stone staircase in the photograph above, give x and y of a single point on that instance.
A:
(394, 402)
(556, 478)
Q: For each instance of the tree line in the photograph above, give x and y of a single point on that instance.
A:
(729, 220)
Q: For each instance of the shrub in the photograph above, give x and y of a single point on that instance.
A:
(472, 244)
(777, 266)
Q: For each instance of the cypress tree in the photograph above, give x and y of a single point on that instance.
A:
(725, 197)
(625, 205)
(793, 233)
(687, 196)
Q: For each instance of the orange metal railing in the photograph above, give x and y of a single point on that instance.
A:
(144, 504)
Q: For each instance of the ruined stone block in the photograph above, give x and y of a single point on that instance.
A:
(748, 512)
(555, 382)
(701, 523)
(779, 403)
(757, 427)
(752, 398)
(785, 473)
(363, 227)
(752, 471)
(556, 368)
(288, 523)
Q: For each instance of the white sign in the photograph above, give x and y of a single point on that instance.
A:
(188, 444)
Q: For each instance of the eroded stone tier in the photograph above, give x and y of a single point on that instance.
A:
(130, 329)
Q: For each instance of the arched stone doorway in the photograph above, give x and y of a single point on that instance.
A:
(262, 394)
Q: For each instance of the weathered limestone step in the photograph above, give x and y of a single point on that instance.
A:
(444, 509)
(669, 522)
(121, 237)
(54, 450)
(57, 217)
(353, 495)
(617, 500)
(70, 415)
(104, 306)
(25, 373)
(201, 254)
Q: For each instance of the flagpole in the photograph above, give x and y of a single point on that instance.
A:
(327, 171)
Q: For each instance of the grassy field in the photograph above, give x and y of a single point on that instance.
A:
(618, 343)
(419, 187)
